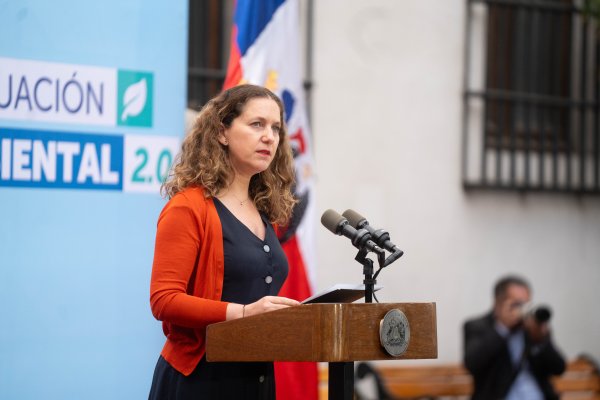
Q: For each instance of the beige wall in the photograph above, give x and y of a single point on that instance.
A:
(387, 127)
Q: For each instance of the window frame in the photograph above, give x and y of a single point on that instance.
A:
(562, 156)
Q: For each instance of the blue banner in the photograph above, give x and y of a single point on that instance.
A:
(92, 104)
(33, 158)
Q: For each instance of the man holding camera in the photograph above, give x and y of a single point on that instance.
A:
(509, 351)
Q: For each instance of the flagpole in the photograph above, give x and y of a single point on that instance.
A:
(308, 81)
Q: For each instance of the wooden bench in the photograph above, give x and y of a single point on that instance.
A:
(581, 381)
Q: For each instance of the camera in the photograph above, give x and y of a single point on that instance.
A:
(540, 313)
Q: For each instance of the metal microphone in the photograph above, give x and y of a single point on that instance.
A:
(361, 238)
(379, 236)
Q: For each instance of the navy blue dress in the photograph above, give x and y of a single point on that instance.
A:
(254, 268)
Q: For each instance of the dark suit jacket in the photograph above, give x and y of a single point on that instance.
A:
(487, 358)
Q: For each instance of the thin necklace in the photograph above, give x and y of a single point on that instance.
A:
(241, 202)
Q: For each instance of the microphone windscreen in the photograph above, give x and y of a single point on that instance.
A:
(332, 220)
(353, 218)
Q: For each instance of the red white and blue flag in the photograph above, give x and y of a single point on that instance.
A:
(265, 50)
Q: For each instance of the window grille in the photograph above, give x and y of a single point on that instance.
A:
(531, 90)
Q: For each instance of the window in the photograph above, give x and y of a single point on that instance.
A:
(209, 36)
(531, 97)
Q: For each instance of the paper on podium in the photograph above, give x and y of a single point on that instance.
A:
(340, 293)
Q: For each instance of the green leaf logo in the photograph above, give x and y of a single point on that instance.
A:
(134, 94)
(134, 99)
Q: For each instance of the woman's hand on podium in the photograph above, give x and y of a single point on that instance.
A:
(268, 303)
(265, 304)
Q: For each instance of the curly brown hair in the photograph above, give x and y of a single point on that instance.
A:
(203, 161)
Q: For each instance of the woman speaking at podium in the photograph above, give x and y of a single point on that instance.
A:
(216, 254)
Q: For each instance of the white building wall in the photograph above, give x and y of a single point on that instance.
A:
(387, 115)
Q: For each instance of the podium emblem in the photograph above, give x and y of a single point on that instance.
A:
(394, 332)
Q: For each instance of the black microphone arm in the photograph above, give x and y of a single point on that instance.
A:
(379, 236)
(361, 238)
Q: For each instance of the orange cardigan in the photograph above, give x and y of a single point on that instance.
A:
(187, 276)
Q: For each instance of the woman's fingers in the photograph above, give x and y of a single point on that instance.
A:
(269, 303)
(283, 300)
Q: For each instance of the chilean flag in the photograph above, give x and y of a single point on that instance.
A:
(265, 51)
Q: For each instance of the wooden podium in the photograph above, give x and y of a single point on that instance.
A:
(335, 333)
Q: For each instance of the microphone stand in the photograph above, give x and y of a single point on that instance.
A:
(369, 282)
(341, 374)
(370, 279)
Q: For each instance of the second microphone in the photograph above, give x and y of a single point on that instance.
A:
(361, 238)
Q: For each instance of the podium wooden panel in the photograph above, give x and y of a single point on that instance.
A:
(336, 333)
(321, 332)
